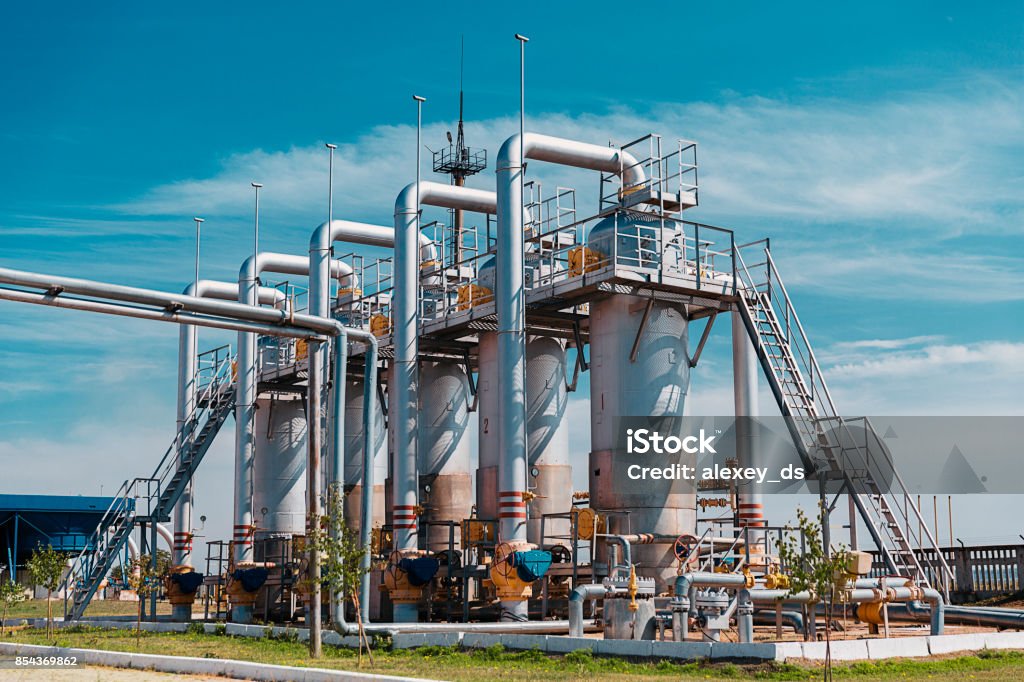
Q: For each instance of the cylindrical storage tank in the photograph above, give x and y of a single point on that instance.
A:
(549, 474)
(446, 485)
(354, 441)
(654, 385)
(547, 434)
(279, 470)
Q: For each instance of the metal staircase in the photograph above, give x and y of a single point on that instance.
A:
(833, 447)
(151, 500)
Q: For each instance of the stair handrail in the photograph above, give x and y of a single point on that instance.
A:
(119, 511)
(205, 398)
(832, 413)
(98, 542)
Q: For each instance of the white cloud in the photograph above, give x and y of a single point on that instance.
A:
(996, 357)
(938, 157)
(902, 272)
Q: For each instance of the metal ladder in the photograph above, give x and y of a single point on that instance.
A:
(152, 499)
(832, 446)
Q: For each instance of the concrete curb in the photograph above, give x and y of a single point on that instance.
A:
(242, 670)
(842, 650)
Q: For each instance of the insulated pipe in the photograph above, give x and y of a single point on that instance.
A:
(337, 469)
(405, 310)
(510, 303)
(164, 533)
(187, 349)
(55, 285)
(626, 542)
(320, 249)
(793, 619)
(579, 595)
(960, 615)
(750, 499)
(245, 394)
(227, 321)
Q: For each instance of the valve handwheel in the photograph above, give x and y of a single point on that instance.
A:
(502, 564)
(683, 548)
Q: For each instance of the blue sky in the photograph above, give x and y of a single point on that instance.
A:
(879, 146)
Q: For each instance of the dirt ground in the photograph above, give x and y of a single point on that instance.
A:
(86, 673)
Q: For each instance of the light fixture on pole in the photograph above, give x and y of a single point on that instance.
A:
(419, 130)
(199, 221)
(256, 225)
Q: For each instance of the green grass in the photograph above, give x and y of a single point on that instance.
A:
(452, 663)
(36, 608)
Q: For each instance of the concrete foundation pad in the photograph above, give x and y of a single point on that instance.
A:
(412, 640)
(948, 644)
(563, 645)
(688, 651)
(742, 651)
(901, 647)
(842, 650)
(1004, 640)
(638, 648)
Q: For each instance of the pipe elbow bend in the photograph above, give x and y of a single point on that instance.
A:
(406, 201)
(508, 154)
(320, 240)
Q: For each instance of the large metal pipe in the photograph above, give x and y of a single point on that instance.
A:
(510, 304)
(750, 499)
(245, 395)
(337, 469)
(226, 321)
(403, 401)
(320, 251)
(161, 299)
(187, 349)
(576, 600)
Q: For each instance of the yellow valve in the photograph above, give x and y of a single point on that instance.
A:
(301, 349)
(633, 588)
(749, 578)
(584, 259)
(588, 523)
(380, 325)
(507, 583)
(471, 295)
(626, 191)
(396, 580)
(529, 496)
(776, 581)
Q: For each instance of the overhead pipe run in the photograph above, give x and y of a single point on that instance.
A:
(320, 252)
(171, 313)
(403, 400)
(511, 311)
(187, 349)
(245, 396)
(276, 322)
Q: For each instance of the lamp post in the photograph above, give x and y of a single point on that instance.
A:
(256, 226)
(199, 222)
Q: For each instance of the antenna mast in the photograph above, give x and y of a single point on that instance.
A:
(458, 160)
